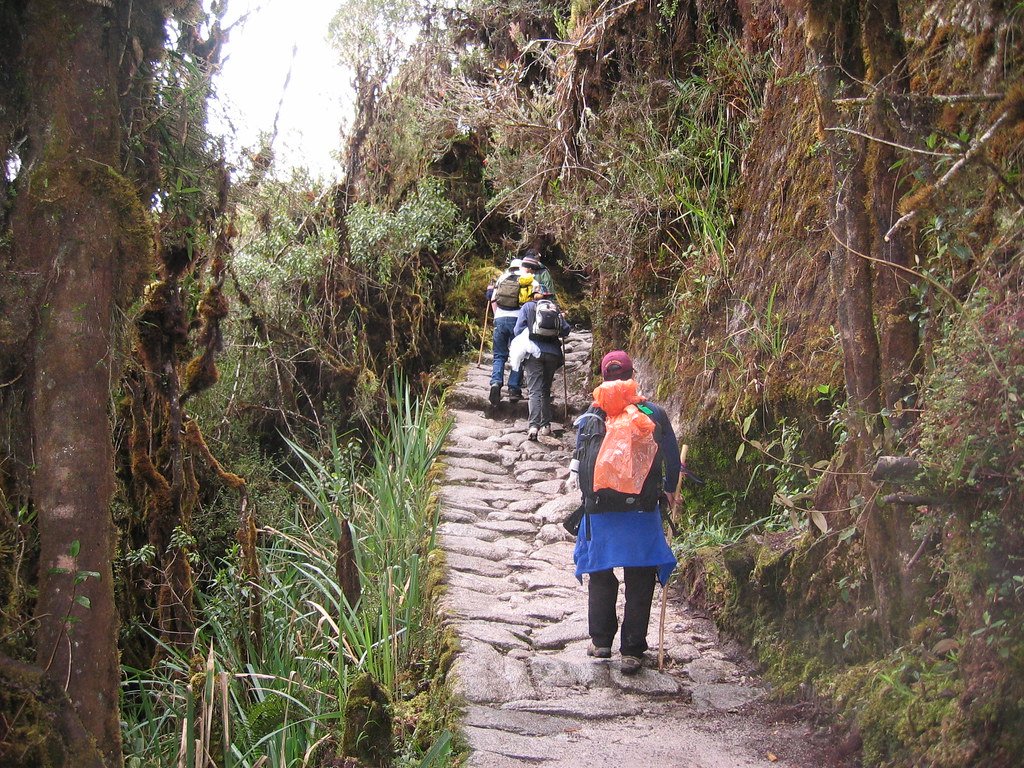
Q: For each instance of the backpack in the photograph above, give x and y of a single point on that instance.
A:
(591, 435)
(506, 292)
(526, 289)
(547, 321)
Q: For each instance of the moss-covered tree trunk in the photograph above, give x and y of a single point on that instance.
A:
(845, 40)
(67, 225)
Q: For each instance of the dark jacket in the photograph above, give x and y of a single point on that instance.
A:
(668, 457)
(527, 313)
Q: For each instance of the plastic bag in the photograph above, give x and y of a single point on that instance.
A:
(627, 452)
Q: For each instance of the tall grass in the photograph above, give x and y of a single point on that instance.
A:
(274, 696)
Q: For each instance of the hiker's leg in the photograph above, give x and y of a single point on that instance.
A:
(551, 364)
(535, 381)
(515, 380)
(637, 615)
(602, 591)
(502, 337)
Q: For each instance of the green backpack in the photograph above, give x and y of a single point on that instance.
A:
(506, 292)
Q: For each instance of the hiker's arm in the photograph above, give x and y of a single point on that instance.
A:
(523, 321)
(669, 451)
(566, 328)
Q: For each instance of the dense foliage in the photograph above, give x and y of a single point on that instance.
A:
(804, 220)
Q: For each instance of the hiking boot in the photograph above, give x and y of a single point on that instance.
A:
(532, 434)
(495, 396)
(631, 664)
(598, 652)
(515, 395)
(545, 430)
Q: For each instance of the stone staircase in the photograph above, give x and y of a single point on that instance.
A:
(532, 694)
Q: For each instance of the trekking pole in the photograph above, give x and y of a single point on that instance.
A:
(661, 627)
(664, 590)
(565, 387)
(483, 335)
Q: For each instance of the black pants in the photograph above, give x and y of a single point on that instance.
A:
(603, 592)
(540, 373)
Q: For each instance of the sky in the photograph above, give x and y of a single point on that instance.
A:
(255, 63)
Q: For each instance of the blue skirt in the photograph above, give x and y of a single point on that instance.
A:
(623, 539)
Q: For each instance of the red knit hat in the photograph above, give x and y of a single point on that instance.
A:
(616, 366)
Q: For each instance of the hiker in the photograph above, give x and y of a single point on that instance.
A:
(623, 528)
(540, 327)
(531, 260)
(513, 288)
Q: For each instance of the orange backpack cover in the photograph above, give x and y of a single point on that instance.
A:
(628, 450)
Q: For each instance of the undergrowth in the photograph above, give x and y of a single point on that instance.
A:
(274, 687)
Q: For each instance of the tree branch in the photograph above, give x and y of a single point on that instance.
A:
(976, 146)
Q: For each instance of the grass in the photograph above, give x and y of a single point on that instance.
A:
(274, 695)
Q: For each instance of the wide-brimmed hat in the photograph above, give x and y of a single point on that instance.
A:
(532, 261)
(515, 264)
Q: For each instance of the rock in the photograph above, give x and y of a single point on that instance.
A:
(453, 515)
(722, 696)
(554, 672)
(508, 525)
(709, 670)
(501, 638)
(477, 565)
(552, 532)
(596, 707)
(468, 530)
(489, 467)
(484, 676)
(558, 508)
(487, 742)
(560, 635)
(511, 721)
(472, 582)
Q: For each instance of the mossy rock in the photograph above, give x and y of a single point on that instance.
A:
(368, 734)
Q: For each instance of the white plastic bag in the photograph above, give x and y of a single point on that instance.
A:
(521, 348)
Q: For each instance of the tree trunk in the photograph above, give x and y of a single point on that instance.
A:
(887, 531)
(833, 37)
(886, 53)
(860, 41)
(67, 224)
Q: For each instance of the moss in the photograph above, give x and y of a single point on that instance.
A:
(466, 297)
(135, 230)
(368, 732)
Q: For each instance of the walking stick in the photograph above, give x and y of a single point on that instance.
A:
(483, 335)
(661, 627)
(664, 592)
(565, 388)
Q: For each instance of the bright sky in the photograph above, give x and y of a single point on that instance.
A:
(251, 84)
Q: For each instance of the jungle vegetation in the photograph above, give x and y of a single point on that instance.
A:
(802, 218)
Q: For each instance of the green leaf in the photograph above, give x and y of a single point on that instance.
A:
(75, 548)
(83, 601)
(747, 421)
(740, 450)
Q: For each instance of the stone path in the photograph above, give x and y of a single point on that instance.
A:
(533, 696)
